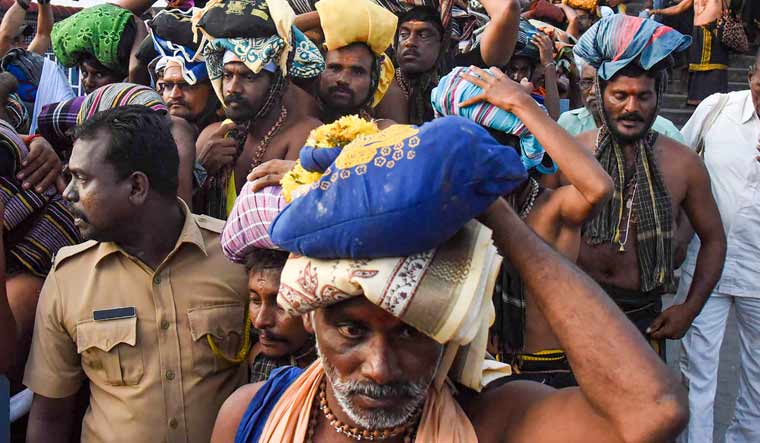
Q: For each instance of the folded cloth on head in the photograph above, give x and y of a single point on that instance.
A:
(247, 226)
(174, 25)
(444, 293)
(238, 19)
(258, 52)
(440, 175)
(614, 42)
(370, 24)
(97, 31)
(452, 90)
(119, 94)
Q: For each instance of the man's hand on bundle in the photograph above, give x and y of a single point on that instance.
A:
(498, 89)
(269, 173)
(41, 168)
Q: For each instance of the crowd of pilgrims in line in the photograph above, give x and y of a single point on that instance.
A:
(288, 220)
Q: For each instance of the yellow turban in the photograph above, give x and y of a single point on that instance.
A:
(369, 23)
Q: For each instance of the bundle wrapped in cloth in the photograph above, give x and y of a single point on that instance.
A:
(442, 292)
(452, 90)
(399, 191)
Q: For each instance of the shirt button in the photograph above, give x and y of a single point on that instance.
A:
(164, 324)
(157, 280)
(173, 423)
(170, 375)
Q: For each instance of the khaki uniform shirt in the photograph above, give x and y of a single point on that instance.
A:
(153, 376)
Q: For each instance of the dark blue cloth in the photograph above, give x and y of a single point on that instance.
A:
(402, 191)
(317, 159)
(255, 417)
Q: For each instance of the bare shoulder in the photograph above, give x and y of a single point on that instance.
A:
(394, 105)
(497, 411)
(676, 156)
(232, 411)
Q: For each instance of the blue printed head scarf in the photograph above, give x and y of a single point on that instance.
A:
(452, 90)
(614, 42)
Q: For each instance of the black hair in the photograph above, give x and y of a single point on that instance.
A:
(140, 139)
(261, 259)
(422, 14)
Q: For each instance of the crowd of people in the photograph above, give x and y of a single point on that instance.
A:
(402, 221)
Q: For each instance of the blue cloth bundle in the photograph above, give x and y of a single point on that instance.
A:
(404, 190)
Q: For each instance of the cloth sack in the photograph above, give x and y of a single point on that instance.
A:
(439, 175)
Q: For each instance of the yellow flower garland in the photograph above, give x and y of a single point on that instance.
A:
(337, 134)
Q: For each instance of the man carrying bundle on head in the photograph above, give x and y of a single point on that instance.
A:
(628, 247)
(396, 286)
(358, 72)
(100, 40)
(181, 79)
(251, 56)
(425, 51)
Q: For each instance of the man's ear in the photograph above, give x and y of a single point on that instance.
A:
(140, 188)
(308, 322)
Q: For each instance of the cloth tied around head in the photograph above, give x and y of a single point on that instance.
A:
(615, 41)
(171, 34)
(97, 31)
(444, 293)
(274, 40)
(119, 94)
(370, 24)
(452, 90)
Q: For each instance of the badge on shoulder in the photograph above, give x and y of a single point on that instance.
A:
(114, 313)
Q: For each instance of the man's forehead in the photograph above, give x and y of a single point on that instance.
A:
(236, 67)
(351, 55)
(89, 151)
(360, 309)
(173, 73)
(418, 25)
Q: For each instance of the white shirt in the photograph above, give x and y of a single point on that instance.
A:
(730, 151)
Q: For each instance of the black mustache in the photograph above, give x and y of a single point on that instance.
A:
(633, 117)
(235, 98)
(332, 89)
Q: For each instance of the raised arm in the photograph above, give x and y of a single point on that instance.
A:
(626, 393)
(593, 186)
(45, 20)
(673, 10)
(499, 38)
(7, 324)
(704, 216)
(12, 20)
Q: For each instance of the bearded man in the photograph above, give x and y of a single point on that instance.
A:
(628, 246)
(357, 72)
(425, 52)
(270, 118)
(181, 79)
(387, 373)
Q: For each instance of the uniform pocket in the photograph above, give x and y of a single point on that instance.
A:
(225, 325)
(108, 349)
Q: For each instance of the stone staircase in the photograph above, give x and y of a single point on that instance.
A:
(674, 103)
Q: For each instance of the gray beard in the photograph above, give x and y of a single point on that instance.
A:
(344, 390)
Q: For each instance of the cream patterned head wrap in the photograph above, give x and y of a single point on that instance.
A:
(444, 293)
